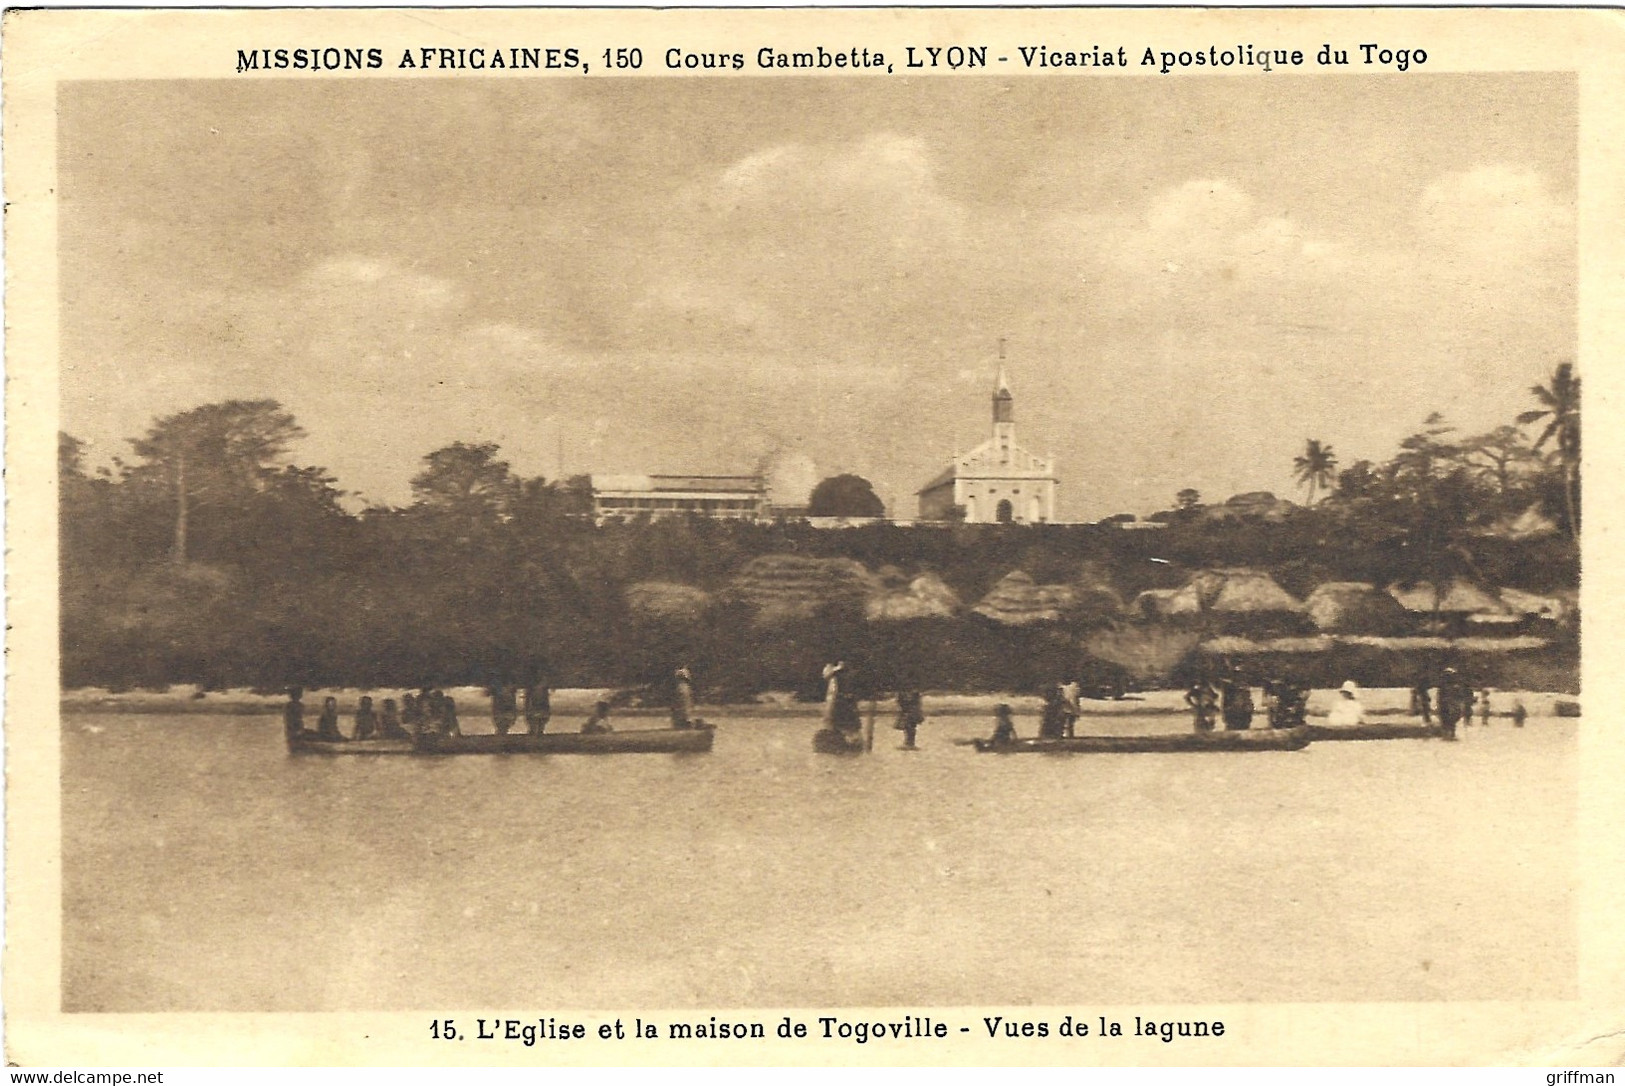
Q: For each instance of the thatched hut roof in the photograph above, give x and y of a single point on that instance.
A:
(1016, 601)
(666, 600)
(1227, 591)
(1459, 597)
(1353, 606)
(792, 587)
(926, 596)
(1250, 591)
(1156, 602)
(1520, 602)
(1147, 652)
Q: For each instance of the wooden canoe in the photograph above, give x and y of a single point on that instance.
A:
(1249, 740)
(354, 746)
(648, 741)
(1331, 733)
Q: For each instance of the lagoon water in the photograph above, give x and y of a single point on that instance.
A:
(205, 869)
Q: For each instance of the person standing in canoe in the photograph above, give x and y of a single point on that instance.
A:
(1484, 707)
(1455, 701)
(1236, 703)
(1294, 703)
(1347, 711)
(366, 720)
(327, 725)
(832, 693)
(1271, 691)
(1004, 729)
(1422, 700)
(504, 708)
(1203, 700)
(1071, 707)
(909, 716)
(448, 716)
(1519, 713)
(682, 701)
(538, 708)
(1050, 724)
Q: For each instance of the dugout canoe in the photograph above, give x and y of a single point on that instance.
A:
(354, 746)
(1332, 733)
(648, 741)
(1249, 740)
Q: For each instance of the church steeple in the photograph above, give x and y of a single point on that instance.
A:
(1004, 412)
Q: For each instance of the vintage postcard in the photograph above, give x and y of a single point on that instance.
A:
(914, 536)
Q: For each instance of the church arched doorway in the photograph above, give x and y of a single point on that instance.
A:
(1006, 513)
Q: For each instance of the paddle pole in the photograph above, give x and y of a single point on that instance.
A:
(869, 729)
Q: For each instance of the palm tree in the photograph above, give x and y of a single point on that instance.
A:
(1315, 467)
(1560, 407)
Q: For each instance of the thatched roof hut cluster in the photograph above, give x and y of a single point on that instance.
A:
(1454, 597)
(782, 588)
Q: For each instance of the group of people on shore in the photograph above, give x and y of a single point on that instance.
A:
(1452, 699)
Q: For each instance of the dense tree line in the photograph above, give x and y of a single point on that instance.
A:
(212, 557)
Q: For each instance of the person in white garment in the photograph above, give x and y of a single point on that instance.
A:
(1347, 710)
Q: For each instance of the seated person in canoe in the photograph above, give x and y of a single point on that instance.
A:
(293, 718)
(598, 722)
(391, 721)
(327, 725)
(1347, 712)
(366, 720)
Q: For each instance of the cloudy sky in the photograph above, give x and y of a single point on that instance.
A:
(1193, 275)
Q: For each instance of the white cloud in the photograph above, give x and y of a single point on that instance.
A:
(1499, 215)
(1211, 227)
(371, 280)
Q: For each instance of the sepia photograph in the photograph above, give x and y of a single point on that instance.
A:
(818, 521)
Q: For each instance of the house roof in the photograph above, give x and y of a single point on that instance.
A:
(947, 476)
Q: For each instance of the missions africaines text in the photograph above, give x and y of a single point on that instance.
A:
(529, 58)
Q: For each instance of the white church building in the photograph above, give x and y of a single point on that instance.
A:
(998, 482)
